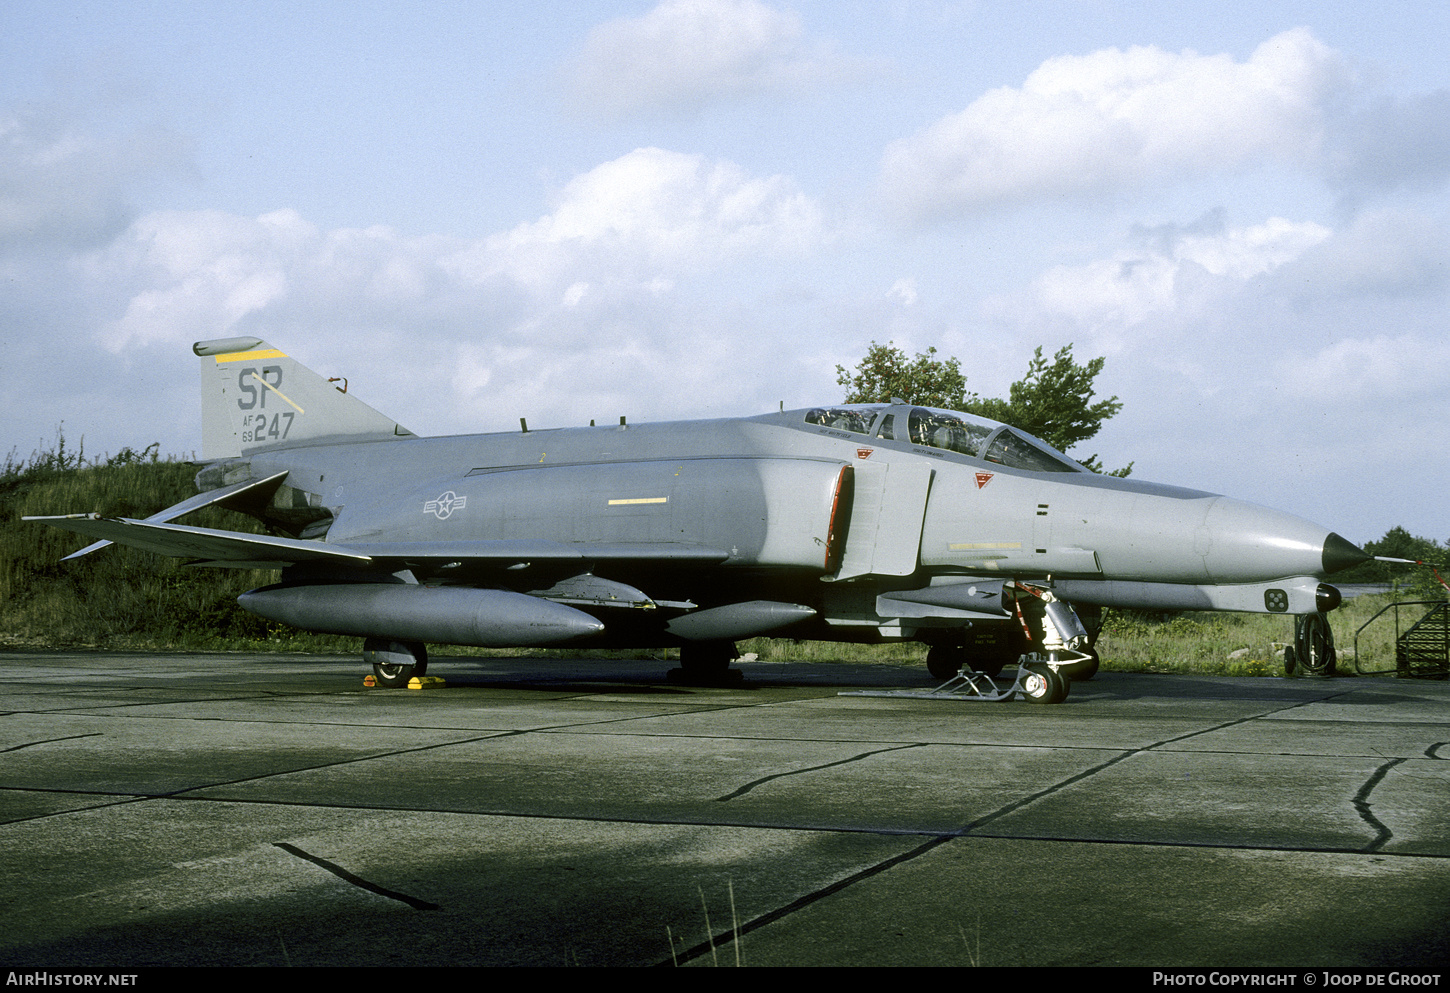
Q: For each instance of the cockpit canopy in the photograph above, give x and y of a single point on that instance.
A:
(951, 430)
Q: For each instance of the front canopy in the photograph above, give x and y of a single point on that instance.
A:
(965, 434)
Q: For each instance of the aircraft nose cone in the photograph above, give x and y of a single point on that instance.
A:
(1340, 554)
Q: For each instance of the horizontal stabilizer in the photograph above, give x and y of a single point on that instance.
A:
(226, 548)
(260, 488)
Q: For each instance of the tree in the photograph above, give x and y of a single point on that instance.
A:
(1053, 401)
(885, 373)
(1419, 580)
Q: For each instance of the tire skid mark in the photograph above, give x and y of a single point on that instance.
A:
(814, 768)
(1361, 805)
(357, 881)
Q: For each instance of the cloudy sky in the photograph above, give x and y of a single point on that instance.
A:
(699, 208)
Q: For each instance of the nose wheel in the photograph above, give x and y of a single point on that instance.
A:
(1041, 683)
(1313, 650)
(1038, 681)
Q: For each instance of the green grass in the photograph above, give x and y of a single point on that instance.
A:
(118, 598)
(122, 598)
(1225, 644)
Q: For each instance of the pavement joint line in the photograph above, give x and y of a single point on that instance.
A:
(169, 702)
(48, 741)
(1092, 771)
(1361, 799)
(119, 800)
(800, 903)
(325, 765)
(128, 798)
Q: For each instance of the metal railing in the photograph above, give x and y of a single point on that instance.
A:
(1423, 650)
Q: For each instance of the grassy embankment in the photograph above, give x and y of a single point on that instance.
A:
(118, 598)
(121, 598)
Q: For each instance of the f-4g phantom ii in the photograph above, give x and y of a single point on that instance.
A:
(851, 522)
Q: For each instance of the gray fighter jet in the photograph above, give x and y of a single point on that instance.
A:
(864, 523)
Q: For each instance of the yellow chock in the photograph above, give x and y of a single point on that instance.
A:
(369, 681)
(426, 683)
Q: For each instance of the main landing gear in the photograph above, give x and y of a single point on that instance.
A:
(395, 662)
(707, 663)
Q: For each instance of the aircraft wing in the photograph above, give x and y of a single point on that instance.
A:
(236, 549)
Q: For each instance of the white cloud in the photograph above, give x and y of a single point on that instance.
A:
(1133, 284)
(903, 289)
(555, 316)
(686, 53)
(1112, 119)
(644, 215)
(1382, 252)
(70, 185)
(1368, 370)
(1403, 142)
(199, 274)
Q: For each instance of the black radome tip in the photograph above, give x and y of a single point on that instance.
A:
(1340, 554)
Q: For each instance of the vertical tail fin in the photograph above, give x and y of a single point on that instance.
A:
(254, 396)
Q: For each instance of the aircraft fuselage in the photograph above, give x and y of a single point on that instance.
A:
(806, 512)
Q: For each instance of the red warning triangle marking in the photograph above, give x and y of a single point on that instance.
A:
(983, 478)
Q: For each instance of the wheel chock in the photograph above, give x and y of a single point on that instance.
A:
(426, 683)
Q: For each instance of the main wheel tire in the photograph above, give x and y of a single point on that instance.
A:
(1043, 684)
(707, 663)
(945, 661)
(395, 662)
(706, 658)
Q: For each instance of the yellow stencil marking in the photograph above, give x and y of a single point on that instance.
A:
(972, 546)
(635, 500)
